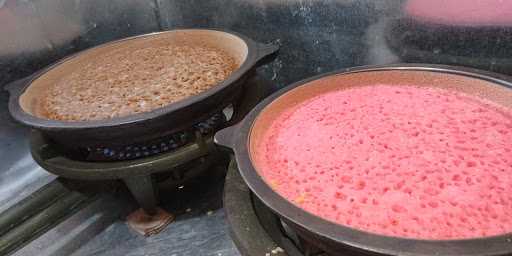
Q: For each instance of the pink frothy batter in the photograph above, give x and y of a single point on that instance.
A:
(396, 160)
(461, 12)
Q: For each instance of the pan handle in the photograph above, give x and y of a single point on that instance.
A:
(226, 137)
(16, 87)
(266, 52)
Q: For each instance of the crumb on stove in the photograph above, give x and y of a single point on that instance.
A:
(277, 250)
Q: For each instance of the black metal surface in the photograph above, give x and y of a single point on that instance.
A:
(142, 127)
(335, 238)
(245, 229)
(451, 44)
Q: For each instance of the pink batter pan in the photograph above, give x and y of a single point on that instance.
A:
(246, 140)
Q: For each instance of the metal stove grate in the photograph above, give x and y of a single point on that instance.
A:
(254, 228)
(161, 145)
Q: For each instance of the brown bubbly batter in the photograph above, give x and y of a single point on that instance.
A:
(127, 82)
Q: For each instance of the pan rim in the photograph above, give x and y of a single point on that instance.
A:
(49, 124)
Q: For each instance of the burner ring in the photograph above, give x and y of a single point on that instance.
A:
(164, 144)
(54, 162)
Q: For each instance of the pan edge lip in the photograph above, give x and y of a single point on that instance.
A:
(344, 235)
(33, 121)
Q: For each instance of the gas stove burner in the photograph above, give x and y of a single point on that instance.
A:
(254, 228)
(139, 175)
(161, 145)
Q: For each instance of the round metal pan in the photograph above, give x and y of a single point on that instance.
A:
(337, 239)
(23, 103)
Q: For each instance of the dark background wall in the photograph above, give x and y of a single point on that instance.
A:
(316, 36)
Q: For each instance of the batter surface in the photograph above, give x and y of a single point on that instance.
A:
(396, 160)
(125, 82)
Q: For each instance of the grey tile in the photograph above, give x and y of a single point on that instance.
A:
(199, 235)
(22, 30)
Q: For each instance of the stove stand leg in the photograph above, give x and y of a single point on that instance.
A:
(143, 189)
